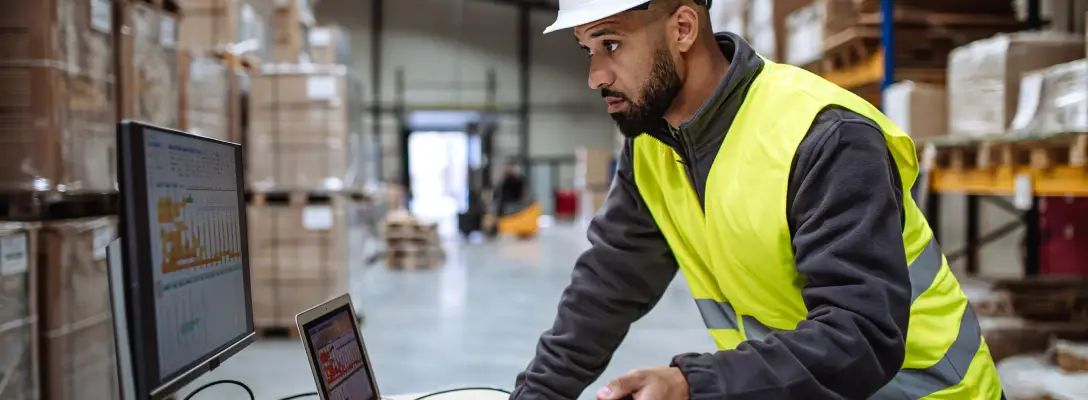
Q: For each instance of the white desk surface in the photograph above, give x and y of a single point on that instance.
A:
(460, 395)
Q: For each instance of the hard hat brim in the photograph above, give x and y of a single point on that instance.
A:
(572, 18)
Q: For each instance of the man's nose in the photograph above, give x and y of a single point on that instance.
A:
(599, 76)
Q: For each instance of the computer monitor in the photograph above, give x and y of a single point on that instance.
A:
(179, 274)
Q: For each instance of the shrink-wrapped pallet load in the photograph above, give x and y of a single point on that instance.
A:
(77, 344)
(149, 65)
(57, 96)
(18, 312)
(984, 77)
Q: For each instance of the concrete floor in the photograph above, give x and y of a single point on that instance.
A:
(473, 322)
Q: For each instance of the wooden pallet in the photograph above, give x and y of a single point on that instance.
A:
(397, 259)
(294, 198)
(1050, 299)
(1013, 151)
(48, 206)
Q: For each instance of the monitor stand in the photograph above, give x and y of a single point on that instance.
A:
(125, 373)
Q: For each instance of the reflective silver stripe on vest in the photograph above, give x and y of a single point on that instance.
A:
(949, 371)
(753, 329)
(717, 315)
(924, 269)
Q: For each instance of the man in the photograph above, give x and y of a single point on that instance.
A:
(511, 189)
(786, 202)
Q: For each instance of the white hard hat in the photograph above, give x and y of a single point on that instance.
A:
(577, 12)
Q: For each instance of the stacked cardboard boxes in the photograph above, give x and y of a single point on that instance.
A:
(298, 255)
(329, 45)
(209, 99)
(148, 64)
(77, 359)
(411, 243)
(291, 24)
(234, 26)
(18, 311)
(984, 77)
(592, 177)
(57, 81)
(920, 109)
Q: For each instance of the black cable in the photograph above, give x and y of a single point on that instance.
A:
(299, 396)
(232, 382)
(429, 395)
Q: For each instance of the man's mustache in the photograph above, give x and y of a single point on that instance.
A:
(606, 92)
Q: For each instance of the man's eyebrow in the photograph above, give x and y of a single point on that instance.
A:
(605, 31)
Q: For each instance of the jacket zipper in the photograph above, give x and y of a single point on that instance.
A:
(687, 157)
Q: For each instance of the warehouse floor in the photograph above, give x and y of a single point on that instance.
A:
(472, 322)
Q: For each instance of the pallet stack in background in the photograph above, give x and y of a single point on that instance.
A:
(592, 177)
(411, 243)
(303, 171)
(59, 82)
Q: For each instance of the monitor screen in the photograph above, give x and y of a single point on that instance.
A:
(179, 275)
(196, 247)
(334, 342)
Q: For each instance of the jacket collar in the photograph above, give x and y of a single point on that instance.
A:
(715, 116)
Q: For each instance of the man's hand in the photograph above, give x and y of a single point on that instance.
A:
(657, 383)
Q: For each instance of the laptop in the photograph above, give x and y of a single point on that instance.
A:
(337, 354)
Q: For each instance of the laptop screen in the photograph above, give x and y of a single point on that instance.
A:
(334, 342)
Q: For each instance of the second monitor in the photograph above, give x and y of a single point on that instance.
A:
(180, 272)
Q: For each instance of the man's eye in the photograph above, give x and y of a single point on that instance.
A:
(611, 46)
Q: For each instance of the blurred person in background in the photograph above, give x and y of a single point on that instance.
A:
(511, 190)
(786, 202)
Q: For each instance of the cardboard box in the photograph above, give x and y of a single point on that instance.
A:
(77, 344)
(984, 77)
(291, 25)
(149, 66)
(329, 45)
(298, 241)
(299, 130)
(208, 97)
(18, 311)
(593, 168)
(920, 109)
(1053, 100)
(57, 96)
(81, 362)
(73, 272)
(232, 25)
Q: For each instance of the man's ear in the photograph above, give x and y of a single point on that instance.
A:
(687, 27)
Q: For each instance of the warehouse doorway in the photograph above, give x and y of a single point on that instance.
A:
(438, 163)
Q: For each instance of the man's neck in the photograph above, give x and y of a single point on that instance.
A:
(705, 70)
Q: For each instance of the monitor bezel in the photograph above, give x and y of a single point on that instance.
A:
(139, 289)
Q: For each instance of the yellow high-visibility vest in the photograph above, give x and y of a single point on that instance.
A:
(745, 281)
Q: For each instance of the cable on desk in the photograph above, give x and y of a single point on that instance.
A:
(299, 396)
(441, 392)
(220, 382)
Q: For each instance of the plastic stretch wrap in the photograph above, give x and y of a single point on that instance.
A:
(76, 318)
(329, 45)
(291, 26)
(150, 62)
(984, 77)
(236, 26)
(1072, 356)
(57, 105)
(208, 102)
(1034, 377)
(299, 131)
(299, 257)
(18, 314)
(805, 33)
(1053, 100)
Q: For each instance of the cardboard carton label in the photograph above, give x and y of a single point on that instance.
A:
(102, 238)
(320, 37)
(1031, 90)
(167, 33)
(101, 16)
(317, 218)
(13, 254)
(321, 87)
(1023, 192)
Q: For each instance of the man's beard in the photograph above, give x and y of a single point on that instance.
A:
(657, 95)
